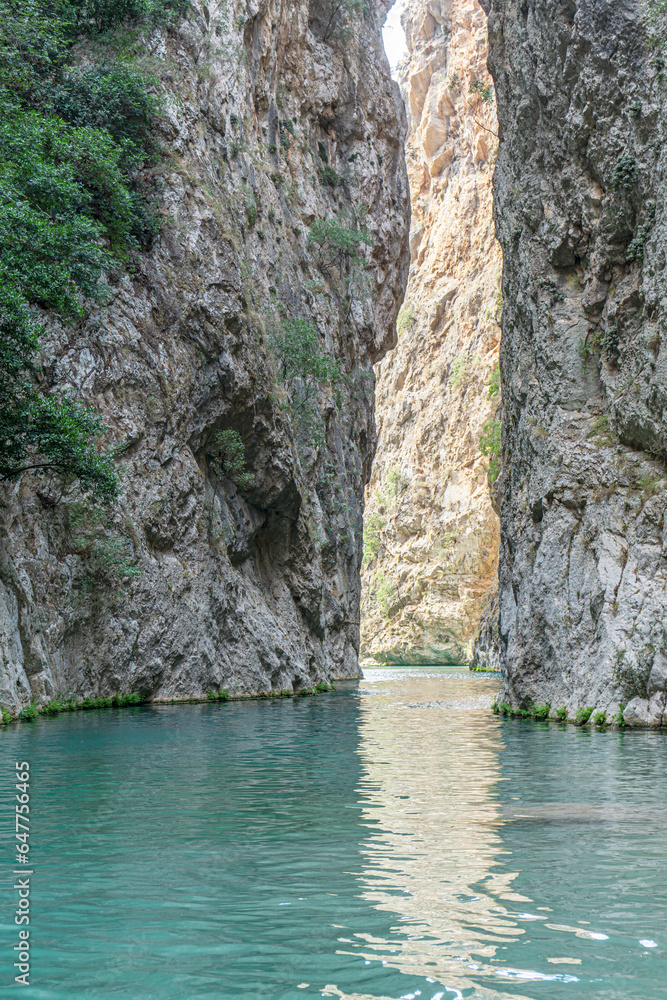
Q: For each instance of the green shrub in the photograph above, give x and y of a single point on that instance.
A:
(339, 17)
(71, 140)
(482, 90)
(6, 717)
(504, 708)
(561, 714)
(493, 385)
(386, 594)
(406, 318)
(541, 711)
(624, 176)
(217, 695)
(227, 456)
(28, 713)
(304, 371)
(54, 707)
(635, 250)
(322, 686)
(396, 481)
(600, 718)
(582, 715)
(619, 717)
(107, 557)
(461, 371)
(286, 132)
(373, 527)
(602, 432)
(111, 97)
(490, 445)
(329, 177)
(339, 244)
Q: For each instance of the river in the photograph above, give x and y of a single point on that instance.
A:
(391, 840)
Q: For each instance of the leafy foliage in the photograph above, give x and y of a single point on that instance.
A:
(304, 369)
(341, 13)
(484, 92)
(339, 244)
(386, 593)
(107, 557)
(462, 370)
(624, 176)
(493, 385)
(373, 527)
(329, 177)
(490, 444)
(406, 318)
(656, 11)
(228, 458)
(70, 142)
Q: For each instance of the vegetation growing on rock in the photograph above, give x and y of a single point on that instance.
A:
(72, 137)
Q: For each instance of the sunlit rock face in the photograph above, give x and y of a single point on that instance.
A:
(580, 212)
(275, 117)
(431, 532)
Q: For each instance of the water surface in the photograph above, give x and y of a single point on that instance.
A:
(393, 840)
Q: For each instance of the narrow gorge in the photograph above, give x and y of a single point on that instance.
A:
(206, 246)
(333, 482)
(431, 540)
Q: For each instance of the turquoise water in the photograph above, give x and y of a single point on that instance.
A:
(391, 840)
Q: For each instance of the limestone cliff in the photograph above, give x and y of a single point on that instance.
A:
(214, 573)
(580, 212)
(431, 534)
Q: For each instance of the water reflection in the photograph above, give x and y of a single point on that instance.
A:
(431, 857)
(393, 841)
(511, 856)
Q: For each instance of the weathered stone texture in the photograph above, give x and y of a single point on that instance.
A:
(251, 589)
(429, 509)
(580, 212)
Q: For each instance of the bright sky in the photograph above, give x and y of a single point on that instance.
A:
(394, 36)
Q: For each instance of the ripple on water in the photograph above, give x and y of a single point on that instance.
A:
(394, 840)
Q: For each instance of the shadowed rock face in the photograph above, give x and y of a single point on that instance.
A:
(429, 516)
(240, 587)
(580, 214)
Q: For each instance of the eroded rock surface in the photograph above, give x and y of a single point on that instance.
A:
(255, 587)
(431, 532)
(581, 217)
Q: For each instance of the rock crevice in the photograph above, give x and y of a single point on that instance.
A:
(431, 531)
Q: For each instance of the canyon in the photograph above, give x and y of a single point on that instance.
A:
(514, 488)
(432, 534)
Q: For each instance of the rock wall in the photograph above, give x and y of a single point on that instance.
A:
(580, 212)
(204, 580)
(431, 533)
